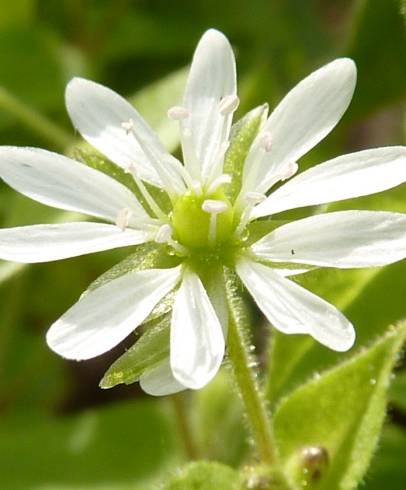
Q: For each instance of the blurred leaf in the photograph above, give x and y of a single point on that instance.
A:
(153, 102)
(342, 411)
(16, 13)
(398, 391)
(204, 475)
(388, 469)
(217, 414)
(119, 447)
(31, 55)
(378, 48)
(147, 352)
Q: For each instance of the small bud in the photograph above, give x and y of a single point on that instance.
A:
(309, 465)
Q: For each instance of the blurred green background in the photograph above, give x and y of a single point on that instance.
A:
(58, 430)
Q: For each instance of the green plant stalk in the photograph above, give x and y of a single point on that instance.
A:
(35, 121)
(252, 398)
(184, 426)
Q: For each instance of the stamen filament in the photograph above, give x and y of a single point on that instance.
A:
(164, 235)
(147, 196)
(213, 207)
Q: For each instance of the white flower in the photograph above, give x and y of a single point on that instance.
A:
(203, 224)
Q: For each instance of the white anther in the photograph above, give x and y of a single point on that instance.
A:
(164, 234)
(218, 181)
(228, 104)
(128, 126)
(123, 218)
(254, 197)
(214, 206)
(289, 171)
(266, 141)
(177, 113)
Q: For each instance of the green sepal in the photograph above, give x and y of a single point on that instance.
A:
(341, 411)
(84, 153)
(243, 134)
(146, 353)
(149, 255)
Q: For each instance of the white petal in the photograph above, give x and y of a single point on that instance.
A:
(104, 317)
(292, 309)
(43, 243)
(356, 174)
(114, 127)
(303, 118)
(343, 239)
(159, 381)
(212, 76)
(197, 341)
(63, 183)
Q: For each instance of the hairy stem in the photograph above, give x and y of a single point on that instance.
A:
(245, 375)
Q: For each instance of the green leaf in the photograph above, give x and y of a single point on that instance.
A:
(363, 297)
(129, 446)
(381, 65)
(243, 134)
(205, 475)
(147, 352)
(341, 411)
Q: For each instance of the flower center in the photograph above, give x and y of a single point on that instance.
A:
(203, 221)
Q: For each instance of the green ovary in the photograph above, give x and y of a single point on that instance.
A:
(191, 224)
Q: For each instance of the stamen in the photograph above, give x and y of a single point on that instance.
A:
(164, 235)
(213, 207)
(266, 141)
(123, 218)
(218, 181)
(146, 195)
(128, 126)
(177, 113)
(289, 171)
(192, 163)
(252, 198)
(228, 104)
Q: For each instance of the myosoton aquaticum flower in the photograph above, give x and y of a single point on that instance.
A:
(213, 203)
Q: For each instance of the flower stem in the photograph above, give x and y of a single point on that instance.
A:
(37, 122)
(251, 396)
(184, 426)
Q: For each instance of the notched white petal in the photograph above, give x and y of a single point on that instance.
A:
(356, 174)
(197, 341)
(292, 309)
(63, 183)
(105, 316)
(44, 243)
(302, 119)
(343, 239)
(210, 97)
